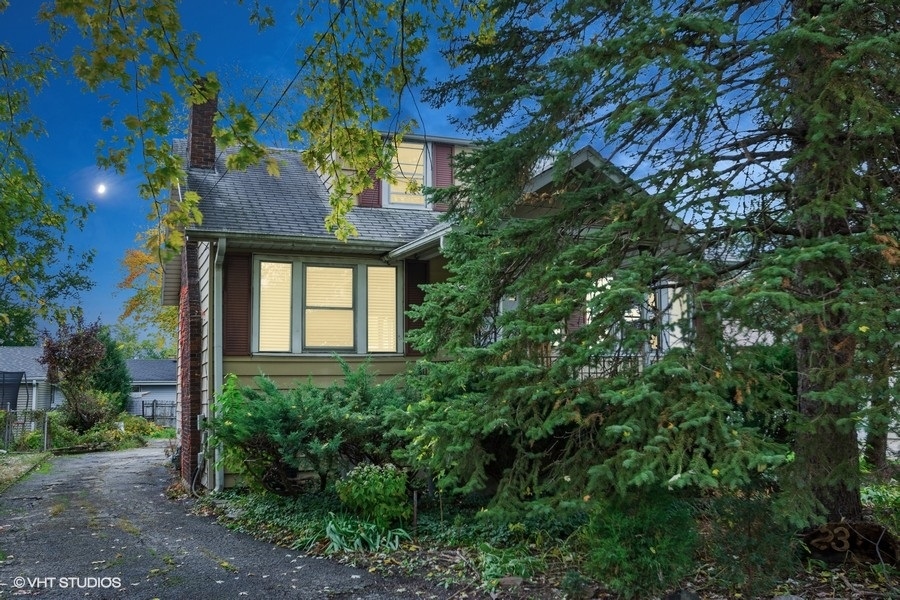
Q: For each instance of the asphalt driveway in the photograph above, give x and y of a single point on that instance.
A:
(99, 526)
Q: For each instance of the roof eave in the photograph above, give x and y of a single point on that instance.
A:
(427, 245)
(294, 243)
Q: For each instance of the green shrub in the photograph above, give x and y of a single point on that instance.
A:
(90, 409)
(140, 426)
(277, 434)
(736, 528)
(30, 441)
(365, 408)
(61, 436)
(884, 500)
(639, 545)
(105, 434)
(376, 492)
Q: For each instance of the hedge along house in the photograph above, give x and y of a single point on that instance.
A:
(263, 287)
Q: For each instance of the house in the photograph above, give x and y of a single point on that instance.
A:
(263, 287)
(151, 380)
(34, 392)
(153, 389)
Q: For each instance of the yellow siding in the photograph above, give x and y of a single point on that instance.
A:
(323, 369)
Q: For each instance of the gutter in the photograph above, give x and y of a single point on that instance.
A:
(260, 242)
(217, 376)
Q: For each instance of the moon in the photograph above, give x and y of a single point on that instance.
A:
(101, 189)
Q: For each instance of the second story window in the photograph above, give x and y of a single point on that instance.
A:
(418, 165)
(409, 169)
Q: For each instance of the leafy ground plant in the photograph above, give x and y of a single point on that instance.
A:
(376, 492)
(455, 544)
(883, 499)
(347, 534)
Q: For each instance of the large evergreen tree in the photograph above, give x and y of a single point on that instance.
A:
(758, 148)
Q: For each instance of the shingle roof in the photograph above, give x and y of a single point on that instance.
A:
(23, 358)
(292, 204)
(152, 370)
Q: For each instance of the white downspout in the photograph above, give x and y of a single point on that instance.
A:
(34, 394)
(217, 376)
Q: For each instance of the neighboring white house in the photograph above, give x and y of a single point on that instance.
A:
(35, 392)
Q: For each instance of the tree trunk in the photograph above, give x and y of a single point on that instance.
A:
(879, 418)
(826, 448)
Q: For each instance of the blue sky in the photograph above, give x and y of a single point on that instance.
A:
(65, 157)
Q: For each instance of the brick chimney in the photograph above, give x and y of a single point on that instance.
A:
(201, 145)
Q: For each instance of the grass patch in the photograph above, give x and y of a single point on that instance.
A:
(14, 466)
(128, 527)
(163, 433)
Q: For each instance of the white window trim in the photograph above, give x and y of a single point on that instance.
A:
(298, 305)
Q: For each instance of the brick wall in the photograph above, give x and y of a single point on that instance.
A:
(189, 337)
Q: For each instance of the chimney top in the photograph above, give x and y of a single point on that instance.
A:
(201, 145)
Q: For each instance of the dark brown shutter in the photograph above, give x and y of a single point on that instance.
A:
(442, 170)
(416, 275)
(371, 197)
(236, 290)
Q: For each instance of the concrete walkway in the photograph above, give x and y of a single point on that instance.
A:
(99, 526)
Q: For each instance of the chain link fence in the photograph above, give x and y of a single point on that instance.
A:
(24, 430)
